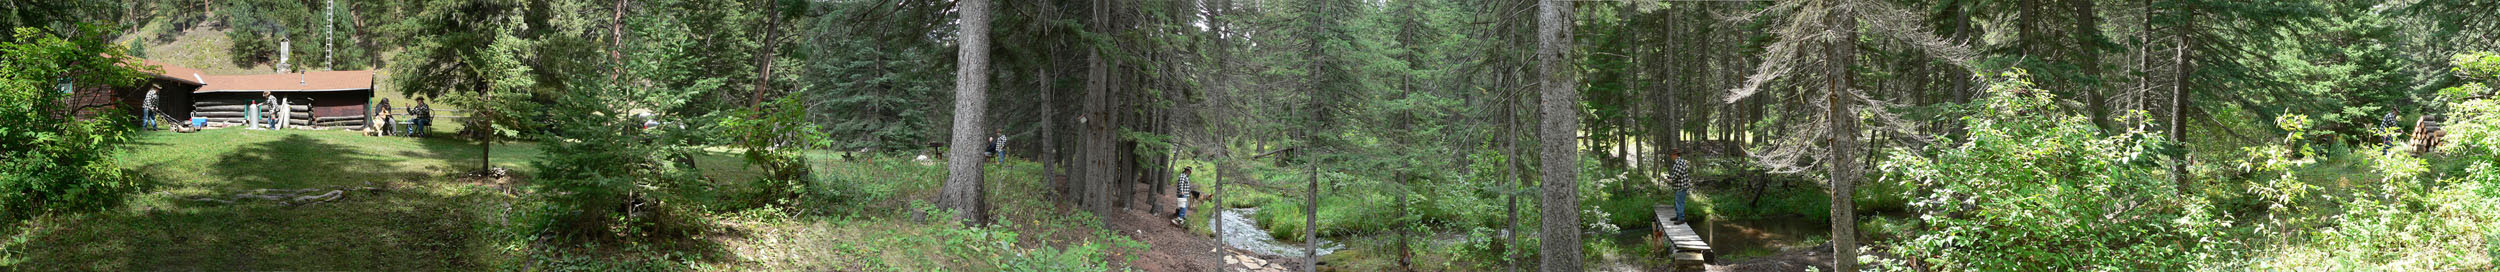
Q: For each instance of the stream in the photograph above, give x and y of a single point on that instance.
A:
(1241, 233)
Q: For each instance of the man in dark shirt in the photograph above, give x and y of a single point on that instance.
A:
(998, 146)
(2388, 125)
(424, 116)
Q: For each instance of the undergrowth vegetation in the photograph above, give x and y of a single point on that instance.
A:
(2035, 189)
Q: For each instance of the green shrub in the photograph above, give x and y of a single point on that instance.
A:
(50, 160)
(2424, 215)
(600, 169)
(1283, 222)
(2035, 188)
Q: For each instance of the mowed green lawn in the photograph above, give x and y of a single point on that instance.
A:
(426, 219)
(421, 220)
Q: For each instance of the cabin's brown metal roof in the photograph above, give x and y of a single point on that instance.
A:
(318, 81)
(178, 73)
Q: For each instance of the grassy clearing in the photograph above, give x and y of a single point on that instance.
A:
(884, 225)
(421, 222)
(425, 219)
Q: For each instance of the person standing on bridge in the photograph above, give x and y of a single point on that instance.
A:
(1680, 174)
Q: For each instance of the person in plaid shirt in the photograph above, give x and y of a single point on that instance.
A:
(1185, 191)
(1680, 173)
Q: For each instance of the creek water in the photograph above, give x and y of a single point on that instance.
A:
(1740, 239)
(1240, 232)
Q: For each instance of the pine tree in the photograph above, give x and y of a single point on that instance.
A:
(963, 190)
(1560, 248)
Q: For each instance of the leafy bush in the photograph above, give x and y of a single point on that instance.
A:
(2035, 189)
(847, 189)
(2419, 217)
(775, 138)
(50, 160)
(994, 247)
(600, 168)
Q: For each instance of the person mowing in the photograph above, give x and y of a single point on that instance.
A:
(1680, 174)
(1184, 192)
(147, 110)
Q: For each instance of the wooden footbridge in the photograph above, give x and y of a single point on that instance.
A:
(1686, 248)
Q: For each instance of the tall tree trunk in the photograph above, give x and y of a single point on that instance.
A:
(1096, 120)
(2178, 99)
(2087, 55)
(963, 166)
(1050, 136)
(616, 51)
(1224, 165)
(2144, 59)
(772, 48)
(1310, 215)
(1559, 251)
(1511, 168)
(1843, 122)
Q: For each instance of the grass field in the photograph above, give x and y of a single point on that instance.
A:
(423, 218)
(419, 221)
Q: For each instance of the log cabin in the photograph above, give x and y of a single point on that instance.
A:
(318, 99)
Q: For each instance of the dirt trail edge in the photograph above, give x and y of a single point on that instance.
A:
(1171, 248)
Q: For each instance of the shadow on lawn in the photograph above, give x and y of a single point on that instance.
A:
(664, 239)
(400, 229)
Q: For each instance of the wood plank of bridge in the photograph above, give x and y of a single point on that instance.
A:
(1680, 235)
(1685, 239)
(1689, 251)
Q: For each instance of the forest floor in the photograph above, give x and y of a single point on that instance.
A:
(1172, 247)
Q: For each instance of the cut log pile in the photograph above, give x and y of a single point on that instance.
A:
(339, 121)
(233, 112)
(289, 197)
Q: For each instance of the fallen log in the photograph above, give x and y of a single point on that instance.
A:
(197, 107)
(289, 197)
(221, 102)
(238, 114)
(239, 120)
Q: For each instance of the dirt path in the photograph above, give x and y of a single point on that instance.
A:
(1817, 257)
(1172, 248)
